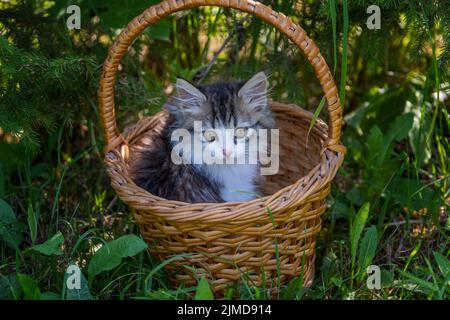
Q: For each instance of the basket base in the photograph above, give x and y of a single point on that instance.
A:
(221, 288)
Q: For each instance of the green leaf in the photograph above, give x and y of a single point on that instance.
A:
(118, 13)
(32, 222)
(387, 278)
(2, 182)
(7, 215)
(397, 131)
(340, 208)
(377, 110)
(50, 247)
(110, 255)
(39, 170)
(443, 264)
(400, 128)
(9, 287)
(337, 281)
(367, 249)
(9, 226)
(413, 194)
(203, 291)
(357, 228)
(423, 284)
(375, 143)
(79, 294)
(160, 31)
(29, 286)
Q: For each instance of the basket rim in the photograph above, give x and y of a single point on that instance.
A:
(140, 199)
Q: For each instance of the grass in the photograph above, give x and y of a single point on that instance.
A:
(88, 219)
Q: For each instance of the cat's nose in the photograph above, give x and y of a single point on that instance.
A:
(226, 152)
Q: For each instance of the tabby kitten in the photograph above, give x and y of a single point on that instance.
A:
(230, 113)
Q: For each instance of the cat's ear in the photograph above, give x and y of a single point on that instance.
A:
(187, 97)
(187, 91)
(254, 92)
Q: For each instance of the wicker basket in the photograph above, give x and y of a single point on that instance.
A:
(266, 241)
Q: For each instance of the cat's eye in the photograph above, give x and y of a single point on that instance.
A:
(209, 135)
(240, 132)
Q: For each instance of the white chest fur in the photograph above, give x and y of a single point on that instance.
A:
(237, 181)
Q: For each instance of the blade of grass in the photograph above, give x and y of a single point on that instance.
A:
(316, 114)
(436, 72)
(410, 259)
(333, 16)
(344, 53)
(149, 278)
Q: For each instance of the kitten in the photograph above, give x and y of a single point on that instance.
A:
(230, 114)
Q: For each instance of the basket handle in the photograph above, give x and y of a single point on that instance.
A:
(152, 15)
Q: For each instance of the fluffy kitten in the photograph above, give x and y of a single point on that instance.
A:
(240, 107)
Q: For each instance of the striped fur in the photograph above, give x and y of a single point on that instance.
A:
(219, 106)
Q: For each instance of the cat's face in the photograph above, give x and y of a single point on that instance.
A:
(223, 118)
(228, 143)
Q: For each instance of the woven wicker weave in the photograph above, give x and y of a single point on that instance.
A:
(269, 239)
